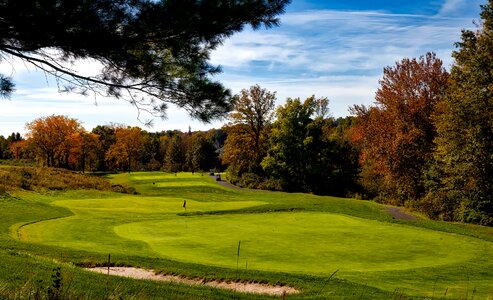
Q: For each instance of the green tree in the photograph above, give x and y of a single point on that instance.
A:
(332, 165)
(151, 52)
(152, 157)
(287, 158)
(306, 154)
(202, 153)
(4, 148)
(174, 159)
(462, 186)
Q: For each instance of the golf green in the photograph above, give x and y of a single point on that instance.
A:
(301, 242)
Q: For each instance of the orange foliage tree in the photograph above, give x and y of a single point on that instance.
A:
(84, 150)
(246, 145)
(49, 137)
(396, 135)
(18, 149)
(127, 148)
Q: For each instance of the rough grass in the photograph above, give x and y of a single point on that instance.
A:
(47, 179)
(294, 239)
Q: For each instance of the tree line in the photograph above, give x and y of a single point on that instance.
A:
(62, 142)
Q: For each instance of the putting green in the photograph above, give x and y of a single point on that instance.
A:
(301, 242)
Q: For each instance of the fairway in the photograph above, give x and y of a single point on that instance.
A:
(296, 234)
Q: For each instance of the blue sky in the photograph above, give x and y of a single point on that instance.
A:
(335, 49)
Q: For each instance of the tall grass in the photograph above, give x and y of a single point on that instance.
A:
(45, 179)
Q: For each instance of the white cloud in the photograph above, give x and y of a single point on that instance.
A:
(457, 7)
(339, 41)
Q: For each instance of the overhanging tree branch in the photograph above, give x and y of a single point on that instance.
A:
(152, 52)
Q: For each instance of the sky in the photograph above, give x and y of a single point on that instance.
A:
(327, 48)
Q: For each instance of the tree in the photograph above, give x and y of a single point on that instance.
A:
(463, 181)
(6, 143)
(255, 109)
(129, 143)
(49, 137)
(18, 149)
(173, 161)
(152, 157)
(4, 148)
(287, 157)
(304, 154)
(331, 166)
(202, 154)
(84, 150)
(396, 135)
(245, 146)
(106, 135)
(151, 52)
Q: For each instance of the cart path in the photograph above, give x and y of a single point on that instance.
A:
(400, 214)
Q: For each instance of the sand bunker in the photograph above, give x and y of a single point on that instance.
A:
(243, 287)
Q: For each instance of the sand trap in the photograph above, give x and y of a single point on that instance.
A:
(256, 288)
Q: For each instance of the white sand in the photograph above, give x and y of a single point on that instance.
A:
(243, 287)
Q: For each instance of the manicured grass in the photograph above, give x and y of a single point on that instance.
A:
(295, 239)
(304, 242)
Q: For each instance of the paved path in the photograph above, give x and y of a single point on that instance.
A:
(398, 213)
(229, 185)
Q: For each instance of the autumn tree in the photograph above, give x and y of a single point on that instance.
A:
(49, 137)
(106, 134)
(462, 188)
(84, 150)
(245, 146)
(6, 143)
(125, 152)
(19, 149)
(151, 53)
(396, 135)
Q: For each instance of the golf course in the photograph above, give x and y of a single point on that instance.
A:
(191, 226)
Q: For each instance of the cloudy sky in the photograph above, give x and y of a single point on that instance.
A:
(327, 48)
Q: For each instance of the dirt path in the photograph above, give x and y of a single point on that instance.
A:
(400, 214)
(243, 287)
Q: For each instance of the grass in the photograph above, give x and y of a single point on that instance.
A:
(294, 239)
